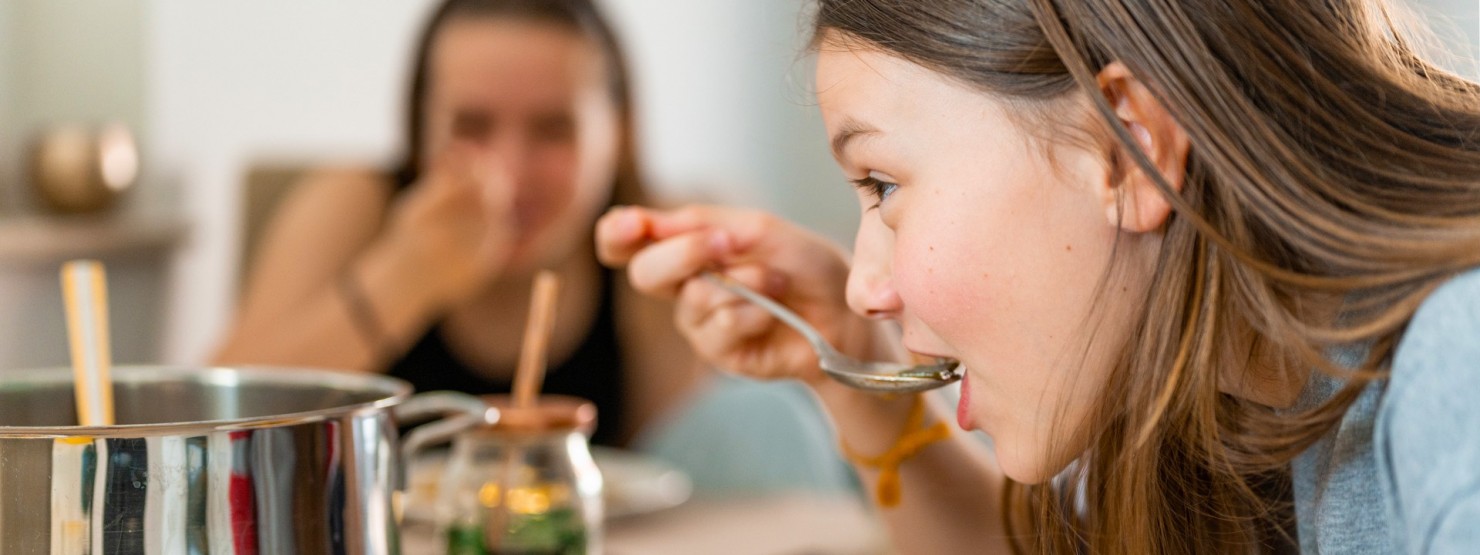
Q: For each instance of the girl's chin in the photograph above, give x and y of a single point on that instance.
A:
(1026, 472)
(1026, 464)
(525, 262)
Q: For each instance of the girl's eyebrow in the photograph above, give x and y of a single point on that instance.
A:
(850, 129)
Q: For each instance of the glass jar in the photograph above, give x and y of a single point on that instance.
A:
(526, 485)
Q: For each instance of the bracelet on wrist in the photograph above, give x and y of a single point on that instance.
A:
(362, 314)
(910, 442)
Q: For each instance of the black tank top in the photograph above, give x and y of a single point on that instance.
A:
(593, 371)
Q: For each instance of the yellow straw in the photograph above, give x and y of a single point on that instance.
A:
(86, 293)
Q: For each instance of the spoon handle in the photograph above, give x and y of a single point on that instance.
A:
(777, 309)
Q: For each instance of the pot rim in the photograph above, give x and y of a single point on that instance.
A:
(394, 392)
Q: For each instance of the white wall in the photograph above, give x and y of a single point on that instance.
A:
(65, 60)
(727, 109)
(233, 82)
(1456, 23)
(7, 106)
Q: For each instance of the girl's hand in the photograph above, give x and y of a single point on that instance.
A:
(665, 252)
(455, 224)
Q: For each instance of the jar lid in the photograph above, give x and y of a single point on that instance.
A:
(550, 414)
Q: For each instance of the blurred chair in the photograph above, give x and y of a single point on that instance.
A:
(264, 187)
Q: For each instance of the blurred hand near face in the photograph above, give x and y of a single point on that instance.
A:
(666, 251)
(456, 222)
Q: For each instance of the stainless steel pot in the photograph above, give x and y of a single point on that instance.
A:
(213, 461)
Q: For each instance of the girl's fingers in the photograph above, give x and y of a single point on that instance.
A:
(620, 234)
(732, 325)
(699, 299)
(625, 231)
(727, 329)
(452, 168)
(662, 268)
(758, 277)
(733, 335)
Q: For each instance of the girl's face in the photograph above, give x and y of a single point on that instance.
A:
(533, 98)
(982, 248)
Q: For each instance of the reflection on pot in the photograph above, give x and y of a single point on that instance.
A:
(229, 461)
(75, 168)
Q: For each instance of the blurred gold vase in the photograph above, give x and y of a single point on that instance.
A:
(77, 168)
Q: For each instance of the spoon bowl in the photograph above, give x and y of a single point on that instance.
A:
(884, 377)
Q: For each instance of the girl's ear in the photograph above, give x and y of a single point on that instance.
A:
(1131, 198)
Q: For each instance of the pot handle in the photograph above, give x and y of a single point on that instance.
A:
(462, 411)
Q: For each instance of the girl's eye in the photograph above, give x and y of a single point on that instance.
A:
(879, 190)
(472, 126)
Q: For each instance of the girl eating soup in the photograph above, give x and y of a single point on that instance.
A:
(1203, 262)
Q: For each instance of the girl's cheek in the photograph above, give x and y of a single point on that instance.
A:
(942, 280)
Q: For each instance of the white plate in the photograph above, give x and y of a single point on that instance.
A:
(634, 483)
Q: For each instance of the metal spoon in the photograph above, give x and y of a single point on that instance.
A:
(888, 377)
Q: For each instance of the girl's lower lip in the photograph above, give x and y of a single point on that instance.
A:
(963, 407)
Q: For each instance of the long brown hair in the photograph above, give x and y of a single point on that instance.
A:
(579, 16)
(1328, 161)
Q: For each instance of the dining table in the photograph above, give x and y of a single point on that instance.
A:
(789, 523)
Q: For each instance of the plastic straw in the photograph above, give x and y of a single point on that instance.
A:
(86, 293)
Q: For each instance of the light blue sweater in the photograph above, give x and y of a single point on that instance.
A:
(1401, 474)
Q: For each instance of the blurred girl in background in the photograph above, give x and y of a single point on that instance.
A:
(518, 134)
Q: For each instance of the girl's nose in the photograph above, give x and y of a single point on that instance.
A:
(508, 151)
(870, 284)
